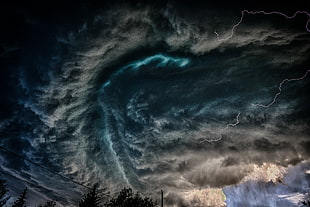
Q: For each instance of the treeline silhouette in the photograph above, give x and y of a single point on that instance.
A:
(125, 198)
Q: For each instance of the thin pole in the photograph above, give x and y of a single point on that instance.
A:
(162, 198)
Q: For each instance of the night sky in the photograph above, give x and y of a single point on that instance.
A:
(207, 101)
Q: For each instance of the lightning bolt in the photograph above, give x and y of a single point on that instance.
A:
(280, 90)
(233, 124)
(243, 12)
(224, 129)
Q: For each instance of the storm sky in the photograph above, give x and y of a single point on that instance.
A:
(201, 100)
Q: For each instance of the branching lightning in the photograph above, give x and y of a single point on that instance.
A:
(243, 12)
(224, 129)
(280, 90)
(233, 124)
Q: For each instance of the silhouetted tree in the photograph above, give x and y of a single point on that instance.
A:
(48, 204)
(127, 198)
(21, 201)
(306, 201)
(3, 190)
(91, 199)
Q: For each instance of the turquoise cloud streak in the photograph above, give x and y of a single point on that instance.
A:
(160, 60)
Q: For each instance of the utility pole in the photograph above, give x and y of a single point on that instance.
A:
(162, 198)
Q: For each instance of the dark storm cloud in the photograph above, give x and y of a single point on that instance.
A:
(174, 199)
(145, 128)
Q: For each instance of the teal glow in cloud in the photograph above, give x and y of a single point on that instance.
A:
(159, 60)
(163, 60)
